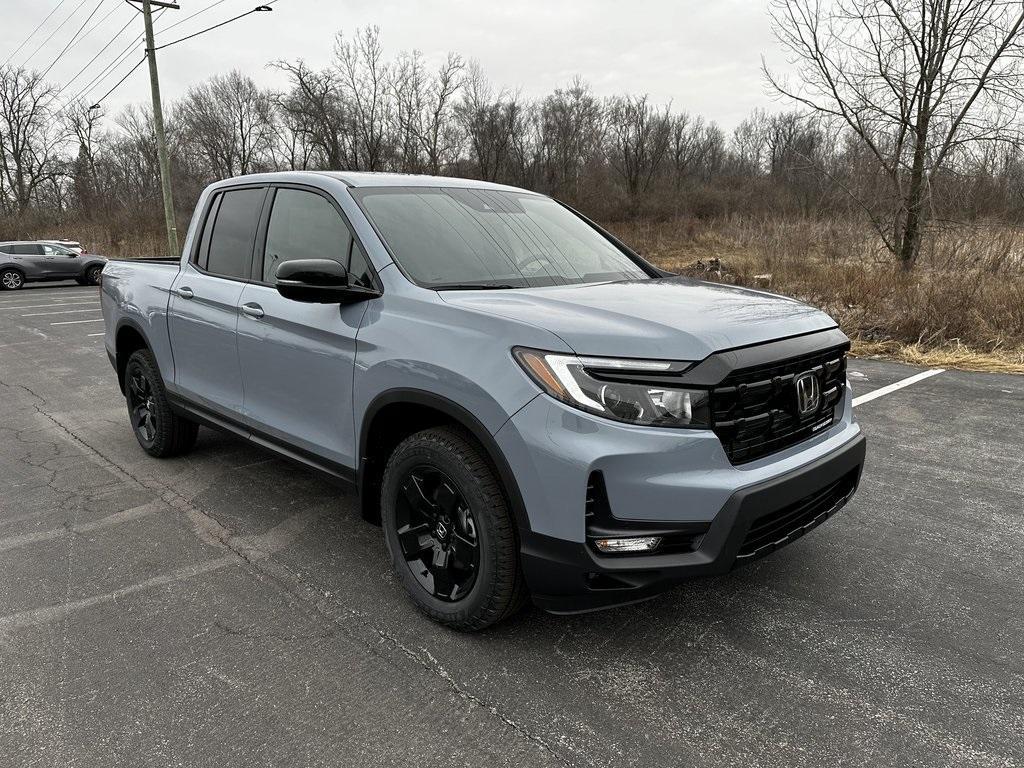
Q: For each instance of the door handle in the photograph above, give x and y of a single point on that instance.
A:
(252, 310)
(185, 293)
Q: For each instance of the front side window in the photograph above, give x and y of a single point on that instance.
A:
(56, 250)
(304, 225)
(478, 237)
(234, 229)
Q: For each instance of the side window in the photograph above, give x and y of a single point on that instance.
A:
(303, 225)
(27, 249)
(55, 250)
(234, 229)
(359, 267)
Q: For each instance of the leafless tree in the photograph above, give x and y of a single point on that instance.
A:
(364, 76)
(31, 138)
(915, 81)
(230, 122)
(640, 136)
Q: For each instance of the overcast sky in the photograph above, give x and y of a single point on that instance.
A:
(703, 55)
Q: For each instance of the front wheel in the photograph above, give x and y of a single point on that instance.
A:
(160, 431)
(449, 531)
(93, 274)
(11, 280)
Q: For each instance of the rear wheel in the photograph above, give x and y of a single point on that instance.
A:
(449, 531)
(11, 280)
(160, 431)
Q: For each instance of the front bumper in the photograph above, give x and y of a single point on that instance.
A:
(569, 577)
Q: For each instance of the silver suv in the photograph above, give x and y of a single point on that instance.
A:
(26, 261)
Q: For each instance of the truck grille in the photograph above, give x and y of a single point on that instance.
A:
(754, 411)
(775, 529)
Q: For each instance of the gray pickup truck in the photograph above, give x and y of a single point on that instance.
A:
(528, 408)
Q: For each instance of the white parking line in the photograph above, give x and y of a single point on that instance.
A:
(97, 334)
(73, 322)
(52, 304)
(882, 391)
(63, 312)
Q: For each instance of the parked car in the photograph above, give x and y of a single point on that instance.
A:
(528, 407)
(27, 261)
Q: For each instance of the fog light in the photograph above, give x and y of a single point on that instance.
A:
(632, 544)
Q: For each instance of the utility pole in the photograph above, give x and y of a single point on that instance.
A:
(158, 125)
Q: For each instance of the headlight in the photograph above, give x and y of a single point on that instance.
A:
(620, 389)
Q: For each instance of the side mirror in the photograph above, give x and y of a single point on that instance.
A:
(318, 281)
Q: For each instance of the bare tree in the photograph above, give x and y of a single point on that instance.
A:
(915, 81)
(640, 139)
(230, 122)
(364, 76)
(30, 138)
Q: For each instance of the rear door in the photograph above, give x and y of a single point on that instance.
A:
(203, 313)
(297, 359)
(31, 259)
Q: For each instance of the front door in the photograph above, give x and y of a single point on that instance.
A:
(61, 262)
(297, 359)
(203, 314)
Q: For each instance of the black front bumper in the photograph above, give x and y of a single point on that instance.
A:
(569, 577)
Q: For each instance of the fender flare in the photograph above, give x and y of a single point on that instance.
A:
(123, 323)
(461, 416)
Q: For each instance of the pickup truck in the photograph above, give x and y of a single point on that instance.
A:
(528, 408)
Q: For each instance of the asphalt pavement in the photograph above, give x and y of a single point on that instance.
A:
(230, 608)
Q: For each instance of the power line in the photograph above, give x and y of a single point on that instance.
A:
(258, 8)
(191, 16)
(50, 36)
(114, 64)
(74, 38)
(129, 72)
(33, 32)
(99, 53)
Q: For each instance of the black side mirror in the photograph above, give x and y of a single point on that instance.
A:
(318, 281)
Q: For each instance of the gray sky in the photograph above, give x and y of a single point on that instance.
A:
(704, 55)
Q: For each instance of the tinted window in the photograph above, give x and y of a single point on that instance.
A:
(230, 249)
(27, 250)
(359, 267)
(303, 225)
(479, 236)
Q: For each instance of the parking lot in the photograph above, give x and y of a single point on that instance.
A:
(231, 608)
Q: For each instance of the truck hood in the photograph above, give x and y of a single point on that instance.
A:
(674, 318)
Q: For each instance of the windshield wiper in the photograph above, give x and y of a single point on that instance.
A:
(471, 286)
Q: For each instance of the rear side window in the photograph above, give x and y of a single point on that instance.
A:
(229, 252)
(27, 250)
(303, 225)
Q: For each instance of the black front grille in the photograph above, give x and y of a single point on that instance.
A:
(775, 529)
(754, 410)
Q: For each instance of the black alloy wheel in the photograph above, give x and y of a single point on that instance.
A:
(142, 407)
(437, 533)
(93, 274)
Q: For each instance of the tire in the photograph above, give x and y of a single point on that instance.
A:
(93, 275)
(161, 432)
(11, 280)
(423, 473)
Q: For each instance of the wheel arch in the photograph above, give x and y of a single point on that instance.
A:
(128, 339)
(394, 415)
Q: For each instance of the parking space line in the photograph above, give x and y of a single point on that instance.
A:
(62, 312)
(52, 304)
(97, 334)
(73, 322)
(889, 389)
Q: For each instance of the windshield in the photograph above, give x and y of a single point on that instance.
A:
(463, 238)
